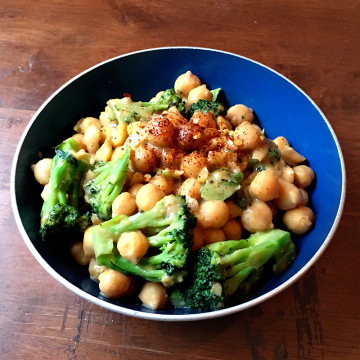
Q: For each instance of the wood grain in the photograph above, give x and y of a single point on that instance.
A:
(45, 43)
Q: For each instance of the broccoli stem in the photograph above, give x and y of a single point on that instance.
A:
(102, 191)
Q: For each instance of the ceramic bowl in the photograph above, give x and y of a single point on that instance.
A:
(281, 108)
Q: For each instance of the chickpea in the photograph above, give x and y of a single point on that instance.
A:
(133, 190)
(265, 186)
(198, 240)
(189, 136)
(192, 164)
(223, 123)
(213, 213)
(304, 197)
(257, 217)
(299, 220)
(190, 187)
(212, 235)
(175, 117)
(160, 132)
(287, 173)
(147, 196)
(206, 121)
(145, 159)
(84, 123)
(239, 113)
(46, 192)
(42, 170)
(200, 92)
(92, 137)
(232, 230)
(113, 283)
(88, 244)
(281, 142)
(105, 151)
(185, 83)
(234, 210)
(171, 157)
(304, 176)
(153, 295)
(133, 246)
(246, 136)
(124, 204)
(77, 252)
(166, 184)
(137, 178)
(289, 196)
(95, 270)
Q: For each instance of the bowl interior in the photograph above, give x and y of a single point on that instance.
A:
(280, 107)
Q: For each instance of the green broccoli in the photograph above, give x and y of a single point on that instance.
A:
(168, 226)
(128, 111)
(206, 106)
(60, 210)
(101, 192)
(273, 156)
(225, 272)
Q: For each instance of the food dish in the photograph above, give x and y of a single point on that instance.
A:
(235, 71)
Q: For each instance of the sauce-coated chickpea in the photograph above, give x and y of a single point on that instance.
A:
(289, 196)
(77, 252)
(239, 113)
(192, 164)
(232, 230)
(42, 170)
(299, 220)
(132, 246)
(265, 186)
(88, 244)
(247, 136)
(190, 187)
(304, 176)
(304, 197)
(213, 213)
(234, 210)
(124, 204)
(92, 137)
(160, 132)
(198, 240)
(84, 123)
(145, 159)
(113, 283)
(257, 217)
(95, 270)
(206, 121)
(147, 196)
(166, 184)
(133, 190)
(154, 295)
(212, 235)
(200, 92)
(186, 82)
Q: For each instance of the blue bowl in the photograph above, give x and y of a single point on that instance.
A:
(280, 106)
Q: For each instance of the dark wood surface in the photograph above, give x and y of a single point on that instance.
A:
(314, 43)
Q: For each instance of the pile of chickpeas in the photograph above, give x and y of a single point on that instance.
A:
(173, 155)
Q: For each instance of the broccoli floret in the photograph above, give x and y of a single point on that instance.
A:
(169, 227)
(101, 192)
(228, 270)
(206, 106)
(128, 111)
(60, 210)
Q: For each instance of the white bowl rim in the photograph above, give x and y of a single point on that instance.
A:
(167, 317)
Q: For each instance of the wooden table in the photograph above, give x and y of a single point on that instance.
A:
(315, 43)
